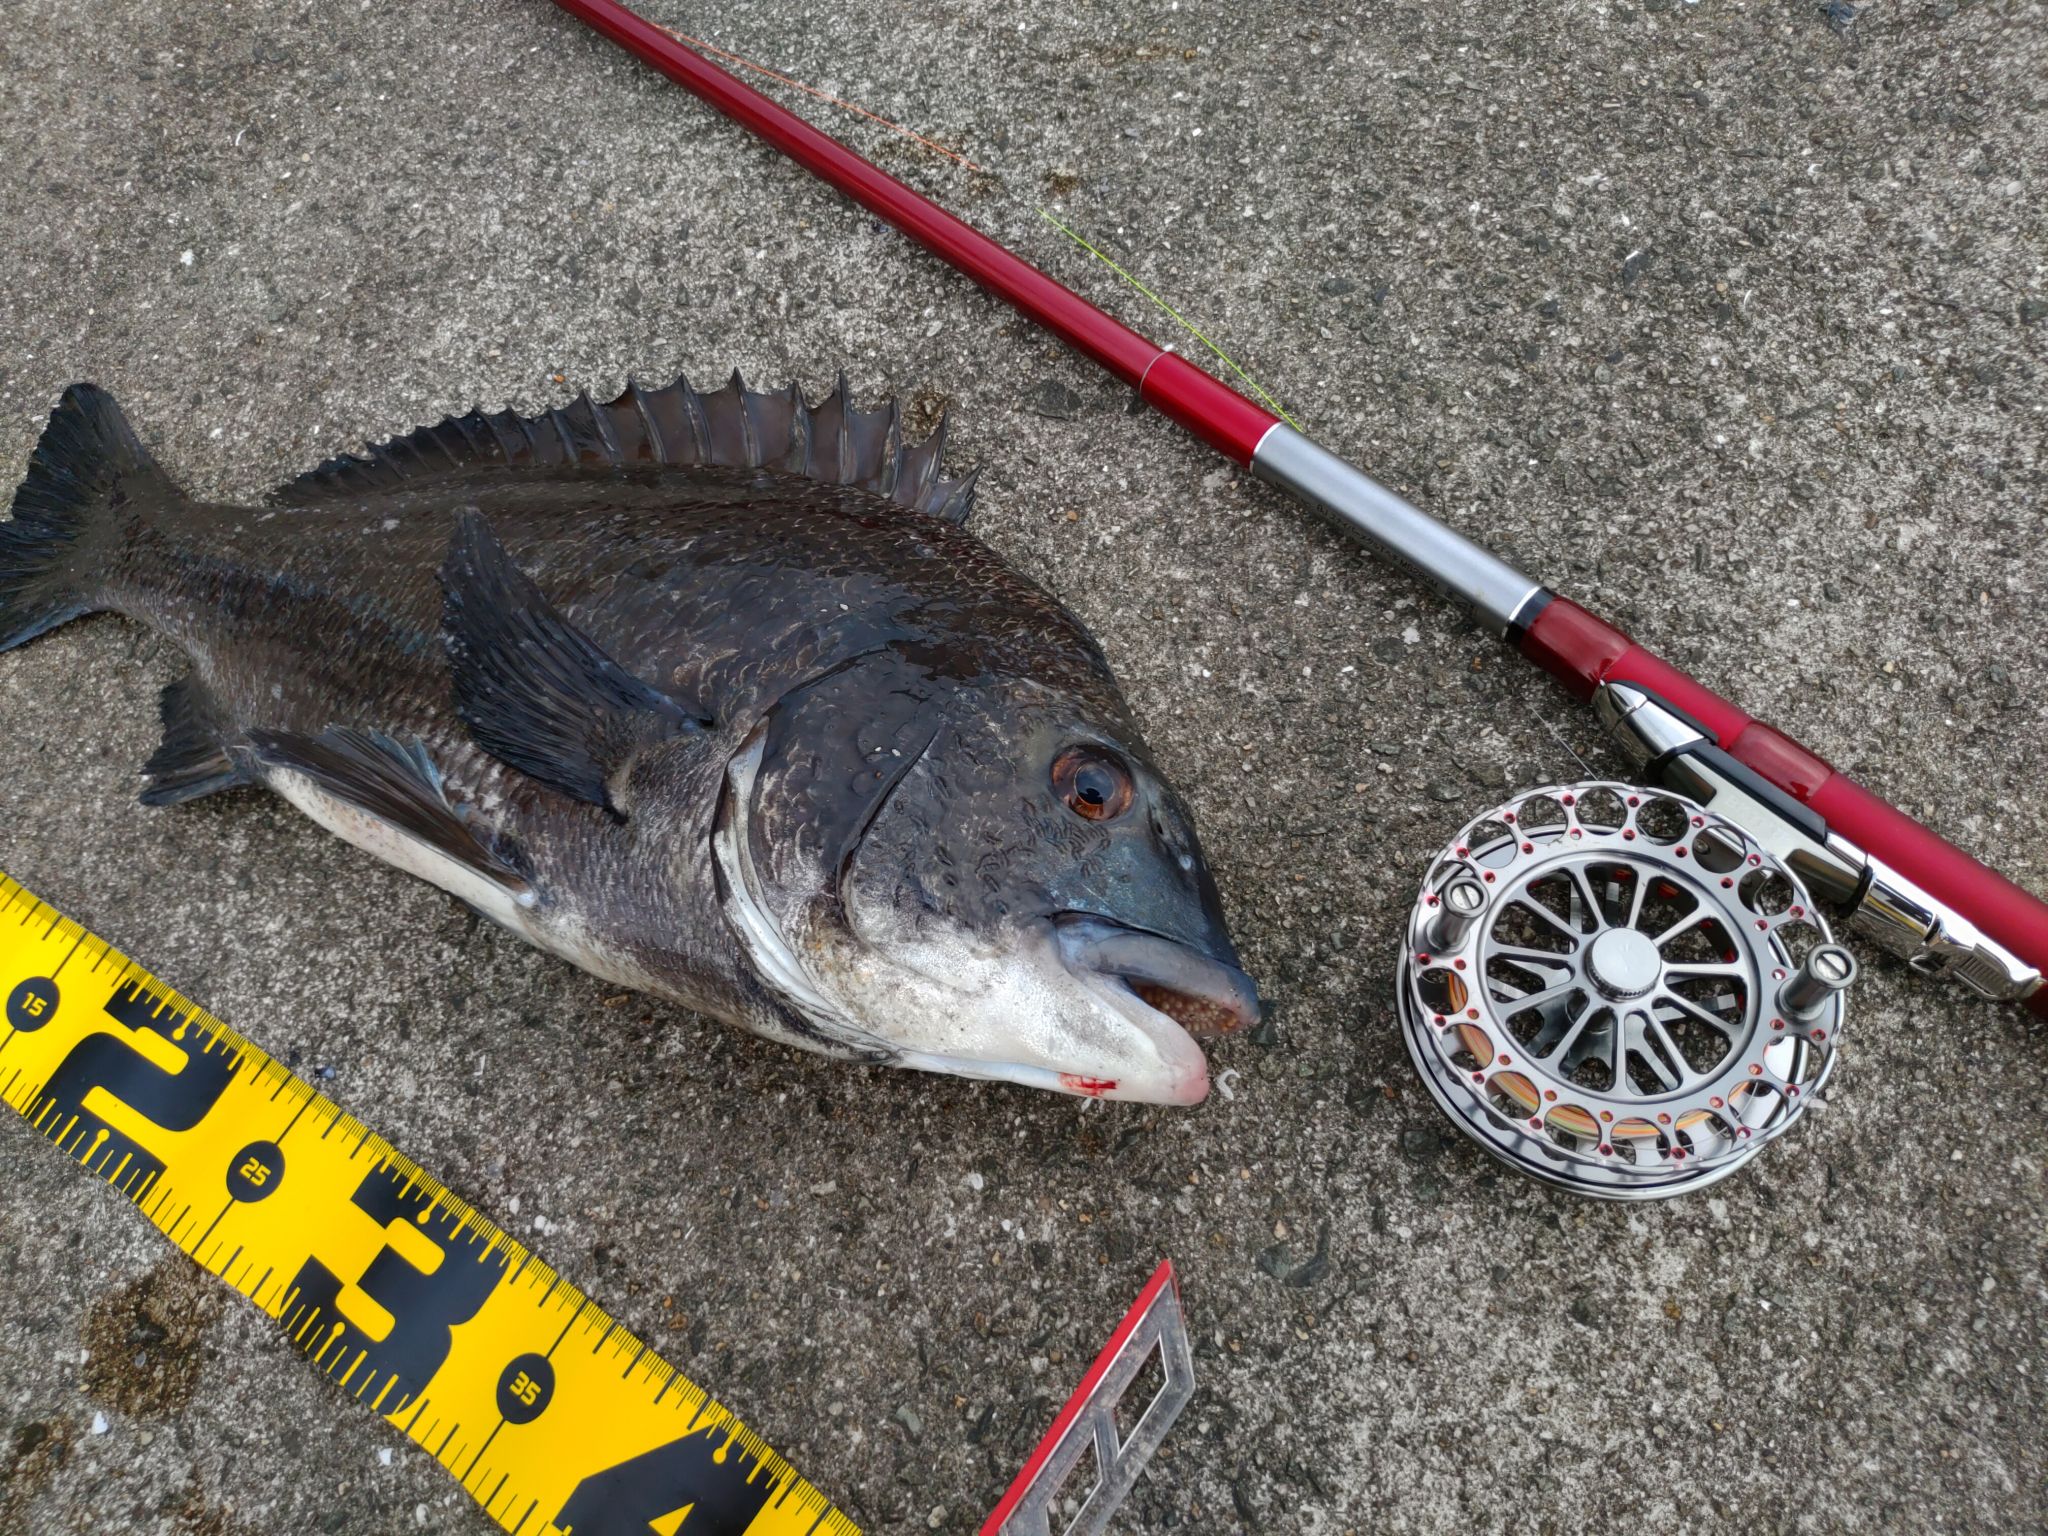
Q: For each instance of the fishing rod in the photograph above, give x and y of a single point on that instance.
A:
(1905, 888)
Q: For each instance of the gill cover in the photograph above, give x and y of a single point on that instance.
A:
(798, 796)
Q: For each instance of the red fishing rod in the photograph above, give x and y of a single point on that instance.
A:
(1908, 890)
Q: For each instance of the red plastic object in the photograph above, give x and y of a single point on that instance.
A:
(1584, 651)
(1162, 1277)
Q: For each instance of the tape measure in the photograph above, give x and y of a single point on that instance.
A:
(552, 1416)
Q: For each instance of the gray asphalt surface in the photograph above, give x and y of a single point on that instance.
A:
(1729, 318)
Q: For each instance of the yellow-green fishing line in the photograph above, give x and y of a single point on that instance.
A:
(1177, 317)
(917, 138)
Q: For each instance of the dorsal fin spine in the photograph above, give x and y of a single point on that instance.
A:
(933, 451)
(960, 501)
(647, 421)
(693, 412)
(610, 438)
(560, 422)
(893, 436)
(750, 436)
(677, 427)
(450, 428)
(844, 456)
(477, 433)
(513, 438)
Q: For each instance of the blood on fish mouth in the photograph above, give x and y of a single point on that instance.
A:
(1090, 1087)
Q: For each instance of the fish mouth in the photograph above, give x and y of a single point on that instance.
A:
(1162, 990)
(1193, 991)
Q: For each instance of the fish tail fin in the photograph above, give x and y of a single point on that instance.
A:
(86, 483)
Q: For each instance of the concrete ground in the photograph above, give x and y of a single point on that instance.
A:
(1731, 318)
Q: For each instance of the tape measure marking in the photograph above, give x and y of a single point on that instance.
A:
(551, 1415)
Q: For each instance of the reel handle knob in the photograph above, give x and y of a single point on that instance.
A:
(1826, 970)
(1460, 905)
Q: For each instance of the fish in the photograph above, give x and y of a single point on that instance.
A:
(711, 693)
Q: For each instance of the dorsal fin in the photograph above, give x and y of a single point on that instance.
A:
(833, 441)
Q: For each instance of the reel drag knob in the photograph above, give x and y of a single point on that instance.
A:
(1617, 991)
(1624, 964)
(1463, 901)
(1824, 972)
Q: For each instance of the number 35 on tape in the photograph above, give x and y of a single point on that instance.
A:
(553, 1417)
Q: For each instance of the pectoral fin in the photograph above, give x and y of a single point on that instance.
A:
(536, 692)
(398, 785)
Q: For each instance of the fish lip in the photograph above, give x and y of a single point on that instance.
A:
(1199, 993)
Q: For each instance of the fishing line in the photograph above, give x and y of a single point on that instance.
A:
(960, 159)
(1177, 317)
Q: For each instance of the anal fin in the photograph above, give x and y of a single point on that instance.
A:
(195, 757)
(397, 784)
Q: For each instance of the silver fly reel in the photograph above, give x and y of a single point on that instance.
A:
(1617, 991)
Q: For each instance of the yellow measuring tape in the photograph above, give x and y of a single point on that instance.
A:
(551, 1415)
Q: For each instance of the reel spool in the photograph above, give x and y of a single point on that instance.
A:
(1617, 991)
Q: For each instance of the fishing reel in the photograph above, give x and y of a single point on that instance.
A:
(1617, 991)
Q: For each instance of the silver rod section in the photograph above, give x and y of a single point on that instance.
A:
(1499, 595)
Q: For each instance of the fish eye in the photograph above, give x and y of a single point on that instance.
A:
(1094, 785)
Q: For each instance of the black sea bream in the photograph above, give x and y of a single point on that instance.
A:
(710, 694)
